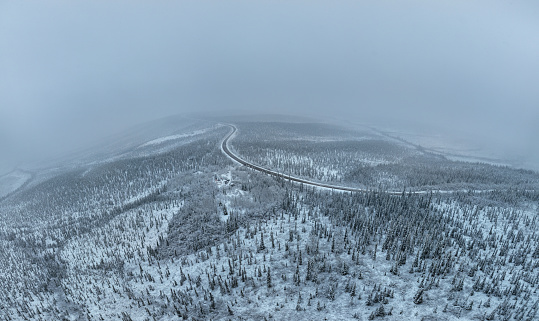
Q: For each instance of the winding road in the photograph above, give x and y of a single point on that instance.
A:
(236, 158)
(241, 161)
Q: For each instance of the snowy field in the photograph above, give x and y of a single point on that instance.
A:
(161, 140)
(12, 181)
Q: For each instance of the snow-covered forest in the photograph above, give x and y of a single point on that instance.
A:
(355, 158)
(162, 225)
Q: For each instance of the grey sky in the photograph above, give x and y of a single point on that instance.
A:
(69, 68)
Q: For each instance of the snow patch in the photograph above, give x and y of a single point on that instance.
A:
(174, 137)
(12, 181)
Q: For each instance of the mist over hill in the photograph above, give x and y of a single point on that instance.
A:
(72, 73)
(299, 160)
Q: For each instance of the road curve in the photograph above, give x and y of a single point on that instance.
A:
(236, 158)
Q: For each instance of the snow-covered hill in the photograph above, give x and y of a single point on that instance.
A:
(174, 230)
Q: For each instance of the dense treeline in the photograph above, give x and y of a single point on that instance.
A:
(357, 255)
(43, 218)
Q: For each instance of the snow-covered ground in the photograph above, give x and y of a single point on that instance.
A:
(447, 145)
(12, 181)
(162, 140)
(207, 239)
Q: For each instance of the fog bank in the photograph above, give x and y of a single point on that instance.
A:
(74, 71)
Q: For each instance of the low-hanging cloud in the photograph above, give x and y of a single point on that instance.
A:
(77, 69)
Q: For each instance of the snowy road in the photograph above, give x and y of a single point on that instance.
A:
(241, 161)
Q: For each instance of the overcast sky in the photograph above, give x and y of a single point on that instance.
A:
(72, 67)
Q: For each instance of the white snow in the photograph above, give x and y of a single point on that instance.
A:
(174, 137)
(12, 181)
